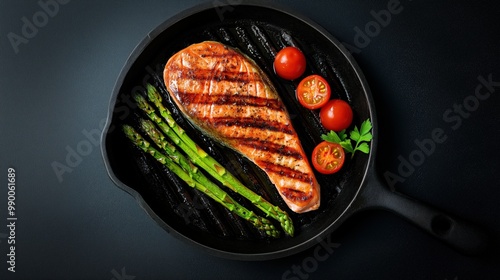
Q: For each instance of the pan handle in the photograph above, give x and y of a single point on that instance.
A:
(456, 232)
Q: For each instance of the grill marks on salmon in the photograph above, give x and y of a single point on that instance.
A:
(226, 95)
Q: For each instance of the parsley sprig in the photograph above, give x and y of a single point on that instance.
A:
(361, 138)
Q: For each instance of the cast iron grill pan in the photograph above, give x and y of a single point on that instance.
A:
(259, 32)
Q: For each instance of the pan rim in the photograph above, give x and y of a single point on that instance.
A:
(348, 209)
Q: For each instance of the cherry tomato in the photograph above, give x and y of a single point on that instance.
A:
(290, 63)
(336, 115)
(328, 157)
(313, 92)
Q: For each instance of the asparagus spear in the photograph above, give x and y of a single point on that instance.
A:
(205, 161)
(204, 185)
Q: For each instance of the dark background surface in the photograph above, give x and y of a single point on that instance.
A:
(57, 87)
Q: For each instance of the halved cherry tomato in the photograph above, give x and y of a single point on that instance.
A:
(328, 157)
(313, 92)
(290, 63)
(336, 115)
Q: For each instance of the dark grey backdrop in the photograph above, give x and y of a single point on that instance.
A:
(55, 92)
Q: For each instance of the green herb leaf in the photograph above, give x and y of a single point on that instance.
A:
(355, 135)
(332, 137)
(364, 148)
(365, 137)
(343, 135)
(366, 126)
(362, 137)
(347, 146)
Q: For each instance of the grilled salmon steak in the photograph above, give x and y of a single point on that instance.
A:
(227, 96)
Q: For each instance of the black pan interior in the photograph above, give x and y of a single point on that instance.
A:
(259, 32)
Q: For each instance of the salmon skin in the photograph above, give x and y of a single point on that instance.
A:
(228, 97)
